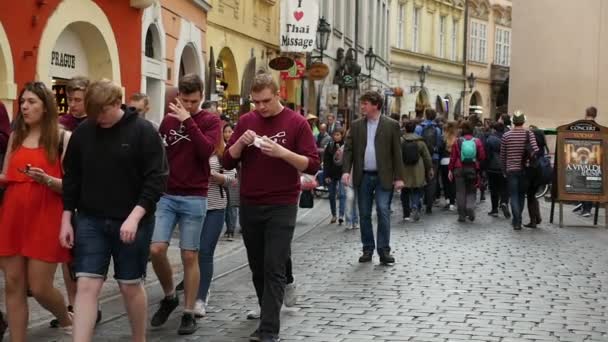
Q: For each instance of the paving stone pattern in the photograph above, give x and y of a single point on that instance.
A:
(452, 282)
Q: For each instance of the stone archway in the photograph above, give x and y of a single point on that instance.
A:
(153, 67)
(230, 71)
(95, 33)
(422, 102)
(189, 62)
(475, 104)
(8, 88)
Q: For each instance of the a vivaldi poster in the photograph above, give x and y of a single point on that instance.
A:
(583, 166)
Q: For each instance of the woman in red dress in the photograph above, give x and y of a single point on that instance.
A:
(30, 215)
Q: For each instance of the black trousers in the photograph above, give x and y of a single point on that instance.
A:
(267, 233)
(499, 191)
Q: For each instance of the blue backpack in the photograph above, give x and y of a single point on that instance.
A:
(468, 150)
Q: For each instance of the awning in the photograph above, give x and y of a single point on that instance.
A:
(248, 76)
(211, 76)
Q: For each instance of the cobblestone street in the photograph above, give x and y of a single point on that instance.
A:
(451, 282)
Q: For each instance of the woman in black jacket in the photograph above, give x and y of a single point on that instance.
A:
(497, 182)
(533, 184)
(332, 171)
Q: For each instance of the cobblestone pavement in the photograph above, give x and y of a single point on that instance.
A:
(452, 282)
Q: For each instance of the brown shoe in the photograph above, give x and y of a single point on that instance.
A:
(333, 219)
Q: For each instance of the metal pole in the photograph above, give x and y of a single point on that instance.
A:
(464, 54)
(356, 43)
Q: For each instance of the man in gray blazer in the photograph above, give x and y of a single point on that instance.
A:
(377, 169)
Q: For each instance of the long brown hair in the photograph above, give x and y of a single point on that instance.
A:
(450, 134)
(49, 127)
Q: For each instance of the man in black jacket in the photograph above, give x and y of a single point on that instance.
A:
(115, 172)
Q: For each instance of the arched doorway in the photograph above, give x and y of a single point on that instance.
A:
(153, 66)
(475, 104)
(8, 88)
(78, 39)
(422, 103)
(228, 81)
(189, 62)
(440, 106)
(449, 106)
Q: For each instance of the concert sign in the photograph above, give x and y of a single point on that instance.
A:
(581, 160)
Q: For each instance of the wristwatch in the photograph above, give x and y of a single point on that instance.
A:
(49, 181)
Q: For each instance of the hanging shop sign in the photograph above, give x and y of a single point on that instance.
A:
(295, 72)
(68, 58)
(581, 162)
(318, 71)
(281, 63)
(298, 25)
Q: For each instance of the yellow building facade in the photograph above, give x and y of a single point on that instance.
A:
(427, 44)
(244, 36)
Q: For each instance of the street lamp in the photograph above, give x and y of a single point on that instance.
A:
(323, 33)
(422, 72)
(471, 79)
(370, 64)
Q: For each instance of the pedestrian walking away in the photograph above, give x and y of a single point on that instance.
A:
(467, 153)
(190, 136)
(115, 172)
(373, 152)
(499, 194)
(433, 137)
(273, 145)
(332, 171)
(514, 156)
(418, 167)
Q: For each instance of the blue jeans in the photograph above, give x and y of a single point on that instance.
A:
(333, 185)
(518, 186)
(410, 199)
(212, 229)
(370, 189)
(350, 207)
(232, 214)
(97, 240)
(188, 212)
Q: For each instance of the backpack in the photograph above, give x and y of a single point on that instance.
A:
(409, 152)
(468, 150)
(429, 134)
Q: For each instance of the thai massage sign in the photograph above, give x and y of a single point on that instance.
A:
(298, 25)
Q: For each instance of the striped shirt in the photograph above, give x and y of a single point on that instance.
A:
(512, 149)
(217, 197)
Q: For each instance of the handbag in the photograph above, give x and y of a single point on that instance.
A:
(306, 199)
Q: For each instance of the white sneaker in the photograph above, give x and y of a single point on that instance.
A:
(253, 314)
(290, 295)
(452, 207)
(199, 309)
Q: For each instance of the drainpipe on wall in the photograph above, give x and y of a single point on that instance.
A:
(464, 56)
(356, 43)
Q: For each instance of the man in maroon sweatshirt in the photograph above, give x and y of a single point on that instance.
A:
(75, 89)
(190, 136)
(274, 145)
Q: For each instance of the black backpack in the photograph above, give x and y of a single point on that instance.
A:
(429, 134)
(409, 152)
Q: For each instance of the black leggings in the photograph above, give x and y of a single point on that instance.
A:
(449, 188)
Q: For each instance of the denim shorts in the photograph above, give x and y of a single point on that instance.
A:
(187, 212)
(98, 239)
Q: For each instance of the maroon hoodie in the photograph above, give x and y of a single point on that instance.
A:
(70, 122)
(189, 145)
(266, 180)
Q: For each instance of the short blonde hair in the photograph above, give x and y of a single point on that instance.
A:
(263, 81)
(100, 94)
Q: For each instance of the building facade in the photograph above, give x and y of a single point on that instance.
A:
(488, 57)
(553, 81)
(242, 38)
(173, 43)
(356, 27)
(427, 44)
(52, 41)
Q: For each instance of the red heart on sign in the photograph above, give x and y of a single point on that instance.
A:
(298, 15)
